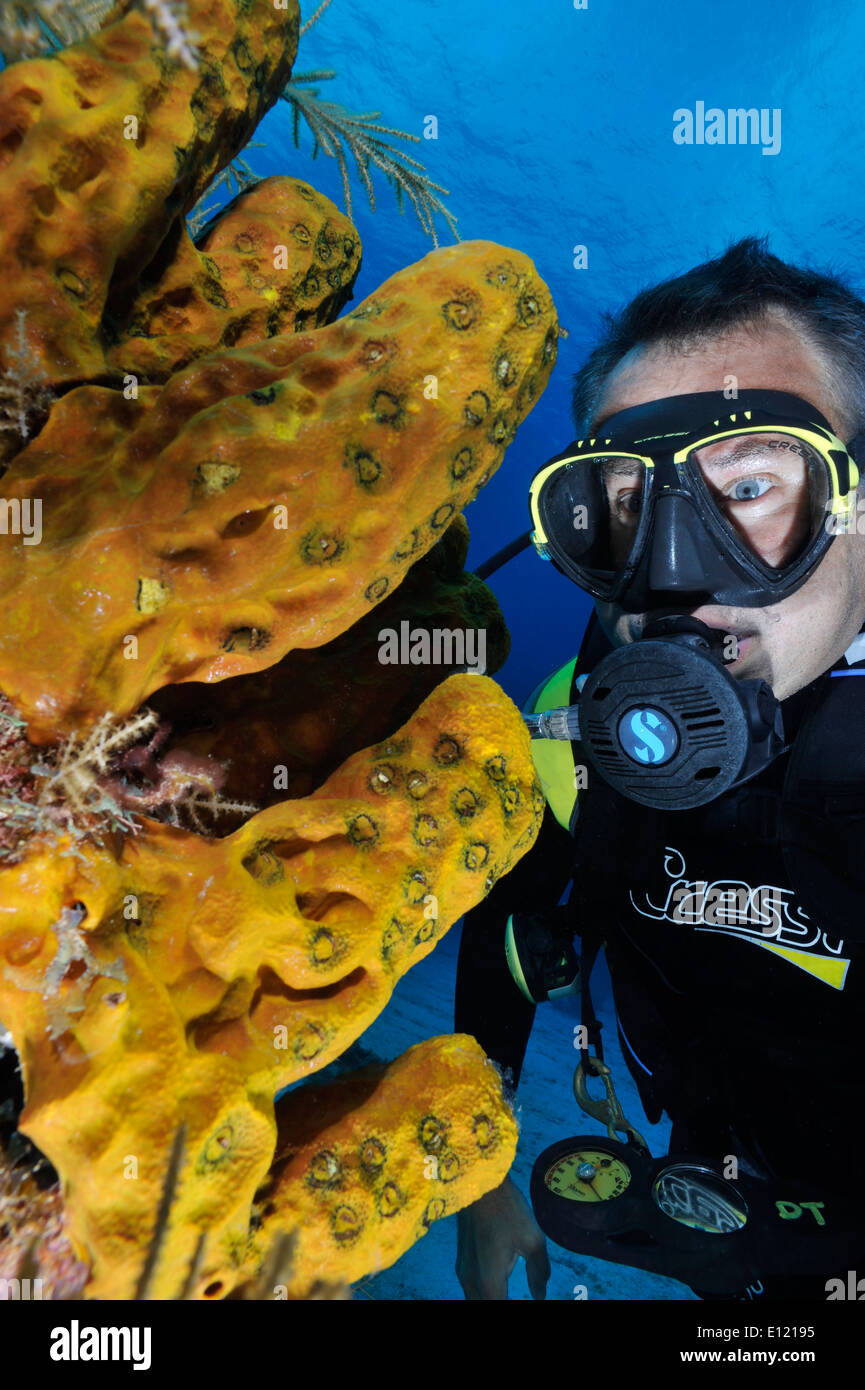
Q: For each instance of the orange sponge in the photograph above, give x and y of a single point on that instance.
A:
(179, 979)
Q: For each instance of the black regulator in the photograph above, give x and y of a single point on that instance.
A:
(663, 721)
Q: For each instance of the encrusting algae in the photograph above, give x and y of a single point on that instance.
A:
(233, 484)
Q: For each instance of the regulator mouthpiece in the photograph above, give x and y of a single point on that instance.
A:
(665, 724)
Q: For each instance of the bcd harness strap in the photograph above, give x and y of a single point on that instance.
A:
(608, 1110)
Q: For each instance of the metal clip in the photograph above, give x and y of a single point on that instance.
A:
(608, 1110)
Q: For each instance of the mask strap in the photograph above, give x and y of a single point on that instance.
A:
(856, 450)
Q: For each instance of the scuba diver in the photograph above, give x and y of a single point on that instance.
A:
(703, 764)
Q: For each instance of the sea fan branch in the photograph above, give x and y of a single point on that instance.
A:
(329, 121)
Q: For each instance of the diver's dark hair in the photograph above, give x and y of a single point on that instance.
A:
(739, 287)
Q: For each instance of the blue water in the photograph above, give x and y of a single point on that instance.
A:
(555, 129)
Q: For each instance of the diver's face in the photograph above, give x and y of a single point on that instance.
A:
(789, 643)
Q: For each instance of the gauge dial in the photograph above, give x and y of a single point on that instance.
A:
(588, 1175)
(699, 1198)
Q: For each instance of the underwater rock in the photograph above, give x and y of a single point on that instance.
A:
(181, 979)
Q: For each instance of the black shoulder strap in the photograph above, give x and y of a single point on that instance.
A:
(590, 945)
(595, 644)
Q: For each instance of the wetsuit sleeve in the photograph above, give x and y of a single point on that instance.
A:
(488, 1004)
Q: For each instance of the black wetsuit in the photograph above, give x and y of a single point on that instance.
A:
(750, 1042)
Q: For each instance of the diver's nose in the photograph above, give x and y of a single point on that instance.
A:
(677, 560)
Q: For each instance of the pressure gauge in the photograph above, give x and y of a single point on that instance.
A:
(588, 1175)
(583, 1184)
(680, 1217)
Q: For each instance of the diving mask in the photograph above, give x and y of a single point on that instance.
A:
(707, 499)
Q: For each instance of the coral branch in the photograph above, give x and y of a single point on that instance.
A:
(23, 387)
(320, 11)
(331, 123)
(170, 20)
(83, 788)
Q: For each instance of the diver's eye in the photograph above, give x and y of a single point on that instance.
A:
(630, 502)
(746, 489)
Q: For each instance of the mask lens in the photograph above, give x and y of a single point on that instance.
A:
(592, 510)
(770, 488)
